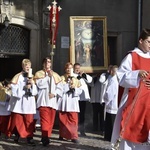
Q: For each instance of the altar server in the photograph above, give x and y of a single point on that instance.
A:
(49, 89)
(22, 104)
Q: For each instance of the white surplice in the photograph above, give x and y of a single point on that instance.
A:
(85, 96)
(45, 86)
(19, 102)
(69, 102)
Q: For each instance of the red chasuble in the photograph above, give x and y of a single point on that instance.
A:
(136, 115)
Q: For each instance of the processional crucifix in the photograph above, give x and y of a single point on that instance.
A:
(54, 16)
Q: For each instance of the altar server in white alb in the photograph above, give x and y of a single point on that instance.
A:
(22, 103)
(132, 123)
(49, 89)
(111, 102)
(85, 80)
(103, 79)
(5, 93)
(69, 106)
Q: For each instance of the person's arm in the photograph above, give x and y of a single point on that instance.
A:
(128, 78)
(111, 91)
(17, 92)
(102, 78)
(77, 91)
(42, 82)
(87, 78)
(34, 90)
(59, 89)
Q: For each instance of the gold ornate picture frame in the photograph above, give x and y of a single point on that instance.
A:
(89, 42)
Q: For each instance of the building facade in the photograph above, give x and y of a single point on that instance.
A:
(28, 33)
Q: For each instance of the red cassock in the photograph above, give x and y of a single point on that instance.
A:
(136, 115)
(68, 125)
(47, 118)
(4, 123)
(23, 123)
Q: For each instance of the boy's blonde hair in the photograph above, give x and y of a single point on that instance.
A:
(26, 62)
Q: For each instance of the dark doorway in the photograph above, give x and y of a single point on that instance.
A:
(9, 67)
(112, 50)
(14, 47)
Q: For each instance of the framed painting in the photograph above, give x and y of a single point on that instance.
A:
(89, 42)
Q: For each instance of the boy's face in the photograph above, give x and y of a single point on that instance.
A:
(68, 69)
(26, 67)
(113, 71)
(47, 64)
(77, 69)
(145, 44)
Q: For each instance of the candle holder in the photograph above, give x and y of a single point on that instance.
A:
(27, 90)
(71, 90)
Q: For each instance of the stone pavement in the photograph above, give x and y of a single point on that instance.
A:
(93, 141)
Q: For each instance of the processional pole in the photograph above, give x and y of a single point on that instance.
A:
(54, 15)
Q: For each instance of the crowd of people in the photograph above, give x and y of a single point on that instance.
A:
(45, 93)
(27, 98)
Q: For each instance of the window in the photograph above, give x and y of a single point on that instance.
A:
(14, 40)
